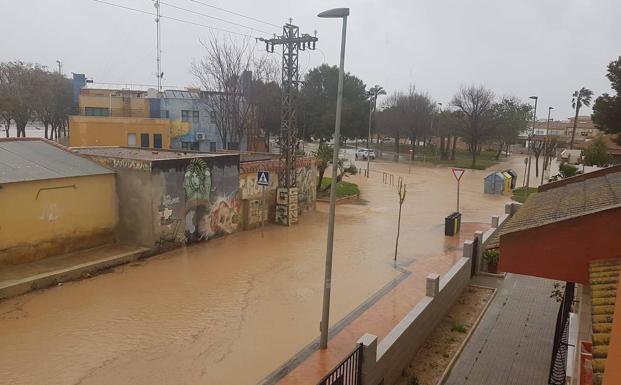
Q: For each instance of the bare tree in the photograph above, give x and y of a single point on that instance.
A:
(476, 104)
(226, 72)
(18, 87)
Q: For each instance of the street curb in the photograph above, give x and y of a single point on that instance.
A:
(448, 369)
(21, 286)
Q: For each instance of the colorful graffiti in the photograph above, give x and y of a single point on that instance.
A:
(306, 180)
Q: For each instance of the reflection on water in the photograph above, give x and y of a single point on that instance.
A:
(231, 310)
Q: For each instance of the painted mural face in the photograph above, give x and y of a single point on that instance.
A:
(197, 181)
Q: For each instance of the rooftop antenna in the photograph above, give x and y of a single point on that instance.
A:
(159, 74)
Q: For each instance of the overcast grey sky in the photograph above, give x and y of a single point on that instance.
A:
(521, 47)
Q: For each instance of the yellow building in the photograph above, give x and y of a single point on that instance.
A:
(87, 131)
(104, 102)
(52, 201)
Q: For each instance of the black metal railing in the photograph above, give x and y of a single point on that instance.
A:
(558, 364)
(348, 372)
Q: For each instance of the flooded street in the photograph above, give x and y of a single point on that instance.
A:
(232, 310)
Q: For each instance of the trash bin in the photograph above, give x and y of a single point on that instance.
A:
(452, 223)
(513, 177)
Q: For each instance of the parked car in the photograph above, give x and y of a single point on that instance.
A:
(364, 153)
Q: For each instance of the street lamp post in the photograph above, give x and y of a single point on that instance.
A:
(545, 146)
(373, 94)
(530, 142)
(341, 13)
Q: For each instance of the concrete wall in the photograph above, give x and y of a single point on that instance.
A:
(384, 363)
(197, 199)
(105, 131)
(48, 217)
(306, 179)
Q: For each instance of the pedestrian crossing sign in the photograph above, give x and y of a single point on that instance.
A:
(263, 178)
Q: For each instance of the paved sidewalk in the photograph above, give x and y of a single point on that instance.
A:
(377, 316)
(20, 279)
(513, 343)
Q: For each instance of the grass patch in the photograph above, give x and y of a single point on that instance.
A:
(460, 328)
(521, 194)
(463, 159)
(343, 189)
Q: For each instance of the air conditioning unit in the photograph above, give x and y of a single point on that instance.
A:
(201, 136)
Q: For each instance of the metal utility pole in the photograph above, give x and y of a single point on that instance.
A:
(530, 142)
(292, 42)
(60, 67)
(545, 144)
(341, 13)
(160, 74)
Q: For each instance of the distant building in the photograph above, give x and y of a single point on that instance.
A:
(189, 106)
(52, 201)
(85, 131)
(192, 122)
(585, 129)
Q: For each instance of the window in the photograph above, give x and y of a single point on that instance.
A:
(185, 115)
(192, 146)
(213, 146)
(164, 114)
(131, 140)
(96, 111)
(144, 140)
(212, 117)
(195, 119)
(157, 140)
(233, 146)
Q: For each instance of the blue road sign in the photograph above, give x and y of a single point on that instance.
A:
(263, 178)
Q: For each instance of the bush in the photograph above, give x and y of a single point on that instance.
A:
(596, 154)
(491, 256)
(567, 170)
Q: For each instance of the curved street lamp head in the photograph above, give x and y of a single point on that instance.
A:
(533, 97)
(335, 13)
(550, 108)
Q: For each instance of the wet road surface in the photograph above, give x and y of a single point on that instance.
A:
(231, 310)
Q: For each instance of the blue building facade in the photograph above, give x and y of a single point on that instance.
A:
(187, 106)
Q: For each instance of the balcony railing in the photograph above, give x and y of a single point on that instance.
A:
(558, 364)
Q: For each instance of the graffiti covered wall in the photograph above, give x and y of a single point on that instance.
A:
(199, 199)
(306, 179)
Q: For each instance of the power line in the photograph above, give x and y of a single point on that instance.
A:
(174, 18)
(213, 17)
(235, 13)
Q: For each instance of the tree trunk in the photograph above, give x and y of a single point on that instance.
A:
(537, 165)
(454, 146)
(499, 151)
(473, 150)
(7, 127)
(573, 132)
(413, 149)
(321, 172)
(396, 155)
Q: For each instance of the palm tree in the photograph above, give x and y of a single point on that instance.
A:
(581, 97)
(372, 94)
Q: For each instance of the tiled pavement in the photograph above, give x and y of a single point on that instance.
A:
(310, 365)
(513, 342)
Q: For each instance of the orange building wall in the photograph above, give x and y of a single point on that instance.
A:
(562, 250)
(85, 131)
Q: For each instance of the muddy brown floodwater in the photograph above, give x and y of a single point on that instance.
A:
(231, 310)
